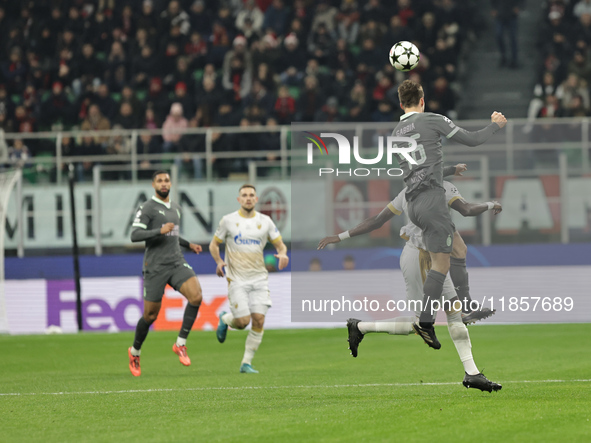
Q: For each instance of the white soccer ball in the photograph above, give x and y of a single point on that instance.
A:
(404, 56)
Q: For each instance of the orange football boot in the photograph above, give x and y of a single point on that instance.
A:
(134, 364)
(181, 351)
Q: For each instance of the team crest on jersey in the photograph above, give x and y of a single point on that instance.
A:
(259, 226)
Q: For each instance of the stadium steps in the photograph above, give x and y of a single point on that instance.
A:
(487, 87)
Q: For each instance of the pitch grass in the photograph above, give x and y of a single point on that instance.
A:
(308, 389)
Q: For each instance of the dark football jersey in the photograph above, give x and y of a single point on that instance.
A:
(162, 250)
(427, 128)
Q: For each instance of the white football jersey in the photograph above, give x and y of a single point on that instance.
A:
(411, 232)
(245, 239)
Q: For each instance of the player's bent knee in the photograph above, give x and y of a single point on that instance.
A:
(195, 299)
(150, 317)
(242, 322)
(191, 289)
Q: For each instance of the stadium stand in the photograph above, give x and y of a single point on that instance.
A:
(100, 64)
(564, 41)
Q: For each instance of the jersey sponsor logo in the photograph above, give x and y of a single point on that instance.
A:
(239, 240)
(448, 240)
(417, 177)
(174, 233)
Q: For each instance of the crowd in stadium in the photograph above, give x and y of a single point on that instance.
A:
(565, 76)
(104, 64)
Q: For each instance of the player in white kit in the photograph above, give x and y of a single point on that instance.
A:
(245, 233)
(415, 262)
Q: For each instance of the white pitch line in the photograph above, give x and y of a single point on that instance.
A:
(244, 388)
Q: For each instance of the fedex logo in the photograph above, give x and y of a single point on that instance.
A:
(106, 306)
(116, 304)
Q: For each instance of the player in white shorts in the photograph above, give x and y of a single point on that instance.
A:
(415, 263)
(245, 233)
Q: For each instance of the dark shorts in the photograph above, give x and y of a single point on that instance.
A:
(155, 282)
(429, 212)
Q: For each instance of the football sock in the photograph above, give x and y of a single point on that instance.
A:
(181, 341)
(135, 352)
(188, 319)
(459, 277)
(141, 332)
(228, 319)
(397, 326)
(461, 338)
(253, 340)
(432, 291)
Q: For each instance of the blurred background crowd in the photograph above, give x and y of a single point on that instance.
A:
(106, 64)
(564, 42)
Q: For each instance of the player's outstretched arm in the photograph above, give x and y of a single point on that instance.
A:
(474, 209)
(281, 254)
(140, 234)
(367, 225)
(214, 250)
(476, 138)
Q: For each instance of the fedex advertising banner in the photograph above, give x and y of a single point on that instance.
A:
(115, 304)
(559, 295)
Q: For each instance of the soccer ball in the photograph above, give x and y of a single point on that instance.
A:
(404, 56)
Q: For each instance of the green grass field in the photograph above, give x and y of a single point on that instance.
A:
(78, 388)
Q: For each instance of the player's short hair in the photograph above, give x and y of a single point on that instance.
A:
(157, 173)
(246, 185)
(410, 93)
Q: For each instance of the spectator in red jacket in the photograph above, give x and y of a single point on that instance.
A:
(285, 106)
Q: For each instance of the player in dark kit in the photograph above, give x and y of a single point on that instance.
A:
(157, 223)
(425, 195)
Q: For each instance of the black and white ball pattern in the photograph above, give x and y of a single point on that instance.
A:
(404, 56)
